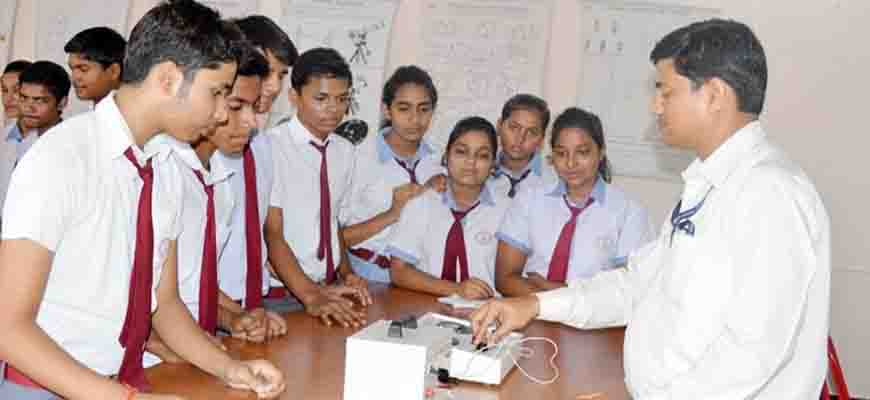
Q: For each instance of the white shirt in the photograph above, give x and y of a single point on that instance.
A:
(12, 148)
(610, 228)
(232, 266)
(421, 234)
(377, 173)
(540, 173)
(76, 194)
(193, 219)
(296, 190)
(740, 309)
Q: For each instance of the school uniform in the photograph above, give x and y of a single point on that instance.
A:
(12, 148)
(421, 236)
(378, 171)
(605, 230)
(313, 199)
(731, 301)
(77, 193)
(200, 243)
(536, 173)
(234, 271)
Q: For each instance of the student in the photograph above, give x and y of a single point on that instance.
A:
(43, 90)
(13, 145)
(9, 83)
(91, 222)
(95, 56)
(732, 300)
(521, 131)
(243, 279)
(444, 243)
(279, 51)
(391, 169)
(311, 193)
(281, 54)
(575, 227)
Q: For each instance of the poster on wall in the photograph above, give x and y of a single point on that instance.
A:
(234, 8)
(359, 30)
(480, 53)
(7, 25)
(58, 21)
(617, 81)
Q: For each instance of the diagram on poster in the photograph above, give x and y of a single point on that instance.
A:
(617, 81)
(233, 8)
(480, 53)
(359, 30)
(57, 22)
(7, 23)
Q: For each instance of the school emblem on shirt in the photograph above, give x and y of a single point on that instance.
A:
(484, 238)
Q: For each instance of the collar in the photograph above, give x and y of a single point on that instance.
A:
(599, 191)
(116, 134)
(485, 197)
(535, 164)
(302, 136)
(716, 169)
(386, 153)
(14, 132)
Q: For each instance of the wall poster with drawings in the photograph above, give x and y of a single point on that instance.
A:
(233, 8)
(359, 30)
(617, 80)
(58, 21)
(480, 53)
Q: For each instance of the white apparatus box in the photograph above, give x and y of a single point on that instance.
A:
(378, 366)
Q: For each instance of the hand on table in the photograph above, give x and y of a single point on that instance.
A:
(330, 304)
(257, 325)
(259, 376)
(475, 289)
(362, 288)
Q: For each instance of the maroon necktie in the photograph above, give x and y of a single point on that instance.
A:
(562, 252)
(412, 169)
(137, 322)
(454, 249)
(324, 249)
(208, 282)
(253, 235)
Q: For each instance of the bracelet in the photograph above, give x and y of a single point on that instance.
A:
(130, 392)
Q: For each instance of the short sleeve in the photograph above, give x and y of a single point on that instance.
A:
(515, 226)
(406, 240)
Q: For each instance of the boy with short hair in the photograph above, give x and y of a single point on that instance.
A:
(96, 58)
(521, 131)
(92, 219)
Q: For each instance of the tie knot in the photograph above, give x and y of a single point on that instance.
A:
(575, 211)
(145, 172)
(320, 148)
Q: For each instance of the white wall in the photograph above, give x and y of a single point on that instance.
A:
(818, 59)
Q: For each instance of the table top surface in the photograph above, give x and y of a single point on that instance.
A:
(312, 357)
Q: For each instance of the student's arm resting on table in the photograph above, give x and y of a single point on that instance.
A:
(509, 265)
(178, 330)
(24, 269)
(255, 325)
(327, 304)
(350, 278)
(405, 275)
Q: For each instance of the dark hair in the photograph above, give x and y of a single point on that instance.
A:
(722, 49)
(17, 66)
(319, 62)
(101, 45)
(407, 74)
(469, 124)
(267, 35)
(574, 117)
(251, 61)
(48, 74)
(184, 32)
(528, 102)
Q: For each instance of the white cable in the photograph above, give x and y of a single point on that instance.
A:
(531, 352)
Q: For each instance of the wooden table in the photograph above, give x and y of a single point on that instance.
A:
(312, 358)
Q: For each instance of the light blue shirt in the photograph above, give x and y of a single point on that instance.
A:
(22, 143)
(606, 232)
